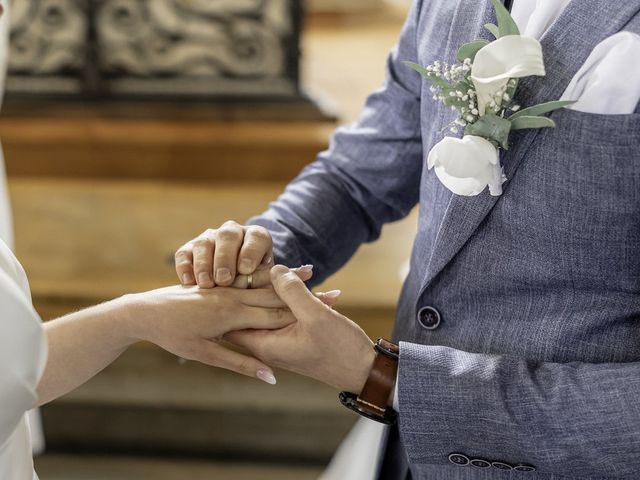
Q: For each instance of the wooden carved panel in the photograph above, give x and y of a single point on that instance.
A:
(48, 45)
(159, 48)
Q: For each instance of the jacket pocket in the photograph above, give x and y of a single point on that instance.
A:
(593, 129)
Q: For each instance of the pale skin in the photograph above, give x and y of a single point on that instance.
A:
(186, 321)
(322, 344)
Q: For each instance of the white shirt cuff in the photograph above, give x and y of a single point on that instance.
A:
(396, 403)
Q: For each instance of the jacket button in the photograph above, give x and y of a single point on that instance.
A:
(429, 318)
(459, 459)
(501, 466)
(480, 463)
(524, 468)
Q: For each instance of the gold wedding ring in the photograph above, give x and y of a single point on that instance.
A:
(250, 281)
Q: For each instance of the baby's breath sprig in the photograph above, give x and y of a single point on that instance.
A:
(451, 84)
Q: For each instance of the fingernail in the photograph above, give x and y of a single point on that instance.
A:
(267, 260)
(266, 376)
(223, 275)
(333, 294)
(306, 268)
(204, 278)
(187, 279)
(246, 265)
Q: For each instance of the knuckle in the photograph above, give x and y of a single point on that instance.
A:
(224, 259)
(288, 283)
(181, 252)
(231, 224)
(202, 244)
(261, 234)
(202, 248)
(200, 265)
(183, 263)
(181, 258)
(229, 234)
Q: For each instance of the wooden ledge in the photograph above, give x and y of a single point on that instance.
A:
(77, 144)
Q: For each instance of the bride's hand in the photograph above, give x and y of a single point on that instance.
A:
(190, 322)
(225, 256)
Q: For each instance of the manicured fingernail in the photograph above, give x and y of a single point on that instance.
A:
(204, 278)
(266, 376)
(333, 294)
(246, 265)
(187, 279)
(306, 268)
(223, 275)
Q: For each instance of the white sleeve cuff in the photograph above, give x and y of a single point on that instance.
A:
(396, 403)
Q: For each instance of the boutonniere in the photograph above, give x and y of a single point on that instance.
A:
(481, 87)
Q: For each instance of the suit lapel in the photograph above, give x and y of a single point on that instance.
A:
(566, 46)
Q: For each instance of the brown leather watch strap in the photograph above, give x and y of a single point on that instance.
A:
(372, 401)
(382, 378)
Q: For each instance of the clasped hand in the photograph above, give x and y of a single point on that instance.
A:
(298, 331)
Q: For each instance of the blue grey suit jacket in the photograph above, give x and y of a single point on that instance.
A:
(536, 360)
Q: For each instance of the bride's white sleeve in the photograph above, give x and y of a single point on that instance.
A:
(23, 347)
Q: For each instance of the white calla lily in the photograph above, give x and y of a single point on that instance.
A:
(467, 165)
(512, 56)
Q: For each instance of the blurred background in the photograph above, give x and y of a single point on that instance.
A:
(131, 126)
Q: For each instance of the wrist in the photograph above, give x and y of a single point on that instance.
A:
(368, 358)
(132, 318)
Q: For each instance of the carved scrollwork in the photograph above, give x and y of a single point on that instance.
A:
(48, 36)
(157, 47)
(190, 38)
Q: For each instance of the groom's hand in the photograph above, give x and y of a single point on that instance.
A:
(217, 256)
(322, 344)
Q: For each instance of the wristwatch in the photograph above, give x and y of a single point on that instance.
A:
(372, 402)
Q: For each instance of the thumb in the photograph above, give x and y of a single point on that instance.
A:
(292, 291)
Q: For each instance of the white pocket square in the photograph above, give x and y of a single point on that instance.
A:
(609, 80)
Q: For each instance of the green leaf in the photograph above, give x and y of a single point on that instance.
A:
(439, 82)
(469, 50)
(532, 122)
(493, 29)
(541, 108)
(492, 127)
(506, 24)
(512, 87)
(418, 68)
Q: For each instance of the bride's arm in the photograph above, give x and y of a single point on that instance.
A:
(184, 321)
(83, 343)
